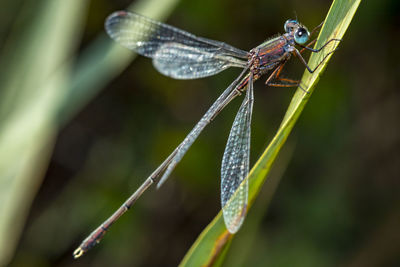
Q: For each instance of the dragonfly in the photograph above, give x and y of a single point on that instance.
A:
(182, 55)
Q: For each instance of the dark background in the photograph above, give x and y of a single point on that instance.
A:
(338, 201)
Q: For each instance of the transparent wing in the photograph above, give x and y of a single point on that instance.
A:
(186, 62)
(235, 165)
(192, 56)
(218, 105)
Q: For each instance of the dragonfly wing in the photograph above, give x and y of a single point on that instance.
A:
(235, 165)
(164, 43)
(218, 105)
(187, 62)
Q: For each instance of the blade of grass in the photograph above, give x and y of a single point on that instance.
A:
(239, 254)
(41, 92)
(27, 129)
(205, 251)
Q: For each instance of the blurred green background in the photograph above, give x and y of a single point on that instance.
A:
(81, 128)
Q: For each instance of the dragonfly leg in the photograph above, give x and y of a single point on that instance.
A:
(322, 47)
(274, 80)
(305, 63)
(288, 83)
(308, 45)
(275, 76)
(285, 81)
(317, 28)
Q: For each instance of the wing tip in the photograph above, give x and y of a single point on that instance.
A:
(233, 222)
(114, 19)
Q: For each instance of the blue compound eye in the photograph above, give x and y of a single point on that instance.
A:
(301, 36)
(289, 24)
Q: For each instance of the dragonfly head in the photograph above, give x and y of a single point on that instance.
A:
(299, 32)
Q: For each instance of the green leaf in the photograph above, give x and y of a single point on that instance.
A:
(206, 250)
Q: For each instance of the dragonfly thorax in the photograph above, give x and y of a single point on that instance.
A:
(270, 54)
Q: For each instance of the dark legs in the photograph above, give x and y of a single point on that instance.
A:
(276, 81)
(284, 82)
(308, 47)
(297, 53)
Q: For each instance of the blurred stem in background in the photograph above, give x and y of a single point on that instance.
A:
(337, 205)
(42, 86)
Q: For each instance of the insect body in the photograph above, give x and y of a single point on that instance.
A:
(182, 55)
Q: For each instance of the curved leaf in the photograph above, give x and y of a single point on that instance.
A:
(206, 250)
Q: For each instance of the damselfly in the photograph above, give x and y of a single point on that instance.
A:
(181, 55)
